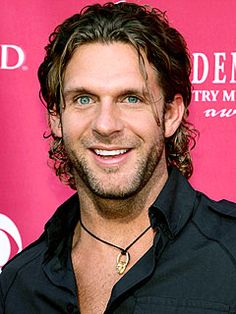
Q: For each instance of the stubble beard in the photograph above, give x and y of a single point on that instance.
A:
(143, 170)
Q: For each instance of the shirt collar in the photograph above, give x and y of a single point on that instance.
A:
(171, 210)
(60, 228)
(174, 205)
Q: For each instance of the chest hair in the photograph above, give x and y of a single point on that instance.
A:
(95, 279)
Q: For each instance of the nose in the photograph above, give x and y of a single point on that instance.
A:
(108, 120)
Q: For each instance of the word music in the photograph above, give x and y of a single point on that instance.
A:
(214, 95)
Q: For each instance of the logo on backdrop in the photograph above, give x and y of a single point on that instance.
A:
(8, 231)
(12, 57)
(219, 72)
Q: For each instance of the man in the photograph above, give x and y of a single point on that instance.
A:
(136, 238)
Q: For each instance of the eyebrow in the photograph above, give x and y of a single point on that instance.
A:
(73, 91)
(126, 91)
(129, 91)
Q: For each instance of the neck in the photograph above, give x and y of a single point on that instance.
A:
(105, 216)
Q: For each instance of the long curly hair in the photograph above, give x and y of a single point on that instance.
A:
(146, 29)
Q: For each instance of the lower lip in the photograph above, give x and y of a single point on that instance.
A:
(111, 160)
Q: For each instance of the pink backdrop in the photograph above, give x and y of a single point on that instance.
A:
(29, 190)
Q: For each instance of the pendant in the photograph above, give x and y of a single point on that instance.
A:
(122, 261)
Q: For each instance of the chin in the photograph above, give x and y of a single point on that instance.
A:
(114, 190)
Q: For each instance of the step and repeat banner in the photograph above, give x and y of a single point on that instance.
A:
(29, 191)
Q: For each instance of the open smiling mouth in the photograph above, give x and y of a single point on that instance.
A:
(110, 153)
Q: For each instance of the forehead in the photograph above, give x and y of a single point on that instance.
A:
(108, 66)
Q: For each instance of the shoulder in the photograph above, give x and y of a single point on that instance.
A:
(217, 221)
(223, 210)
(26, 262)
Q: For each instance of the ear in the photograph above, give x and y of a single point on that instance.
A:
(55, 124)
(173, 115)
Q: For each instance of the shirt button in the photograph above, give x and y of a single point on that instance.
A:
(70, 308)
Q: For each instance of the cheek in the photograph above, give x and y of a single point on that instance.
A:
(145, 125)
(74, 126)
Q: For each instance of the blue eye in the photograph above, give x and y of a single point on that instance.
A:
(132, 99)
(84, 100)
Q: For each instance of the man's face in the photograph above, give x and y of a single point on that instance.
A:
(110, 131)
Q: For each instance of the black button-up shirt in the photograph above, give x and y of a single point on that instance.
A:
(191, 267)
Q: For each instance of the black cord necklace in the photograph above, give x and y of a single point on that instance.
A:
(123, 257)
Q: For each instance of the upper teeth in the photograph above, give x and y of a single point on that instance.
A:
(110, 152)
